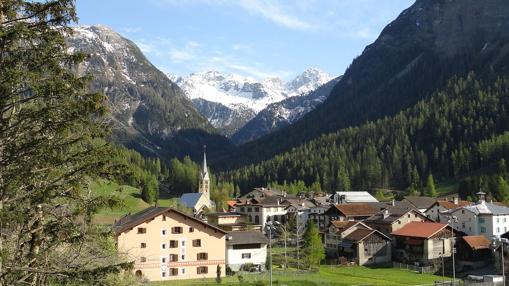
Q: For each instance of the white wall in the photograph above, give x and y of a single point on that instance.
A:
(235, 261)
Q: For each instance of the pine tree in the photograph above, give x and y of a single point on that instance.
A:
(430, 187)
(313, 248)
(50, 131)
(503, 189)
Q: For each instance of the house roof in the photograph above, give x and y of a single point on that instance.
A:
(360, 209)
(357, 197)
(477, 242)
(190, 199)
(130, 221)
(484, 207)
(389, 217)
(245, 237)
(420, 202)
(420, 229)
(299, 203)
(360, 234)
(451, 205)
(262, 192)
(224, 214)
(231, 203)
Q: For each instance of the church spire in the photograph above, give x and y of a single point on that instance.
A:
(205, 172)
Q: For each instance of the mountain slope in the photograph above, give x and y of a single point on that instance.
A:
(227, 120)
(280, 114)
(149, 112)
(242, 96)
(414, 55)
(459, 130)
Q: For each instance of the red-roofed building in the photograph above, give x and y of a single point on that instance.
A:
(422, 241)
(473, 251)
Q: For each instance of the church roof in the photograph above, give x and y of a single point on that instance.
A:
(190, 199)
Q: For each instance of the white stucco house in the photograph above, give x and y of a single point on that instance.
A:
(246, 248)
(264, 210)
(482, 218)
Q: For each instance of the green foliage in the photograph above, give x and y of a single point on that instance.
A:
(313, 247)
(144, 173)
(218, 274)
(457, 130)
(51, 131)
(430, 187)
(183, 176)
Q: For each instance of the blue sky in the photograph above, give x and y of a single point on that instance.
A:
(257, 38)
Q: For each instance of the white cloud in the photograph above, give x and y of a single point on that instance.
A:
(275, 13)
(178, 56)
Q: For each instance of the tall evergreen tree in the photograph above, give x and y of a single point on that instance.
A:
(313, 248)
(49, 148)
(430, 187)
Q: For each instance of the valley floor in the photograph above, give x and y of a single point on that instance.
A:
(327, 275)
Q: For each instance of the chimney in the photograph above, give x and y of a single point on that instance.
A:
(385, 213)
(393, 202)
(456, 201)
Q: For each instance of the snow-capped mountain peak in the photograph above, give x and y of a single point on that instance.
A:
(234, 90)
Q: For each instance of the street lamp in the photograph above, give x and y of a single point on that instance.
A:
(452, 220)
(494, 245)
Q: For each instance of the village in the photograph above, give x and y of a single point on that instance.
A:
(458, 239)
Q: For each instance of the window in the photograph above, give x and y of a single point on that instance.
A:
(142, 230)
(176, 229)
(202, 256)
(143, 259)
(505, 219)
(191, 229)
(183, 256)
(202, 270)
(408, 215)
(183, 270)
(249, 210)
(463, 225)
(174, 257)
(242, 209)
(481, 220)
(174, 271)
(174, 243)
(246, 255)
(164, 218)
(462, 211)
(197, 242)
(257, 209)
(163, 245)
(163, 260)
(163, 274)
(498, 229)
(143, 245)
(163, 232)
(183, 243)
(498, 220)
(483, 229)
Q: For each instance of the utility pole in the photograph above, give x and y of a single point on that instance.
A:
(298, 247)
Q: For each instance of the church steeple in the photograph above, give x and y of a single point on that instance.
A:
(205, 171)
(204, 184)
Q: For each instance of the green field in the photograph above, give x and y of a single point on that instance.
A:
(129, 196)
(447, 187)
(327, 275)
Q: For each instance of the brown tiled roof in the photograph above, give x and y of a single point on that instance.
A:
(361, 209)
(231, 203)
(342, 225)
(450, 205)
(420, 229)
(359, 234)
(130, 221)
(477, 242)
(420, 202)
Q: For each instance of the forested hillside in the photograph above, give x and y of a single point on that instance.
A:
(415, 55)
(457, 130)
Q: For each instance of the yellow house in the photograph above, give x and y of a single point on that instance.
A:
(166, 244)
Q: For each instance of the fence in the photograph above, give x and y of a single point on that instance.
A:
(420, 269)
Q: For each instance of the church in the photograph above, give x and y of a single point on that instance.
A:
(200, 201)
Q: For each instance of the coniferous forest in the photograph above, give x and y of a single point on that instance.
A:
(456, 132)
